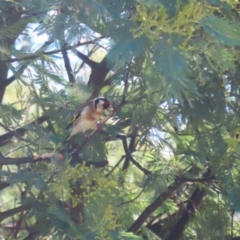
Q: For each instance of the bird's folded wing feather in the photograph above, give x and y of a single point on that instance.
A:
(74, 118)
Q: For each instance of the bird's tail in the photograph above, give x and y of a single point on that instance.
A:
(67, 139)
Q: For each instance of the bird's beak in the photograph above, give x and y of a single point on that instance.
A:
(110, 108)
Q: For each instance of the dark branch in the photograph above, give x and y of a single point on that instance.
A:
(20, 132)
(194, 201)
(88, 55)
(77, 210)
(117, 164)
(131, 147)
(6, 138)
(4, 185)
(134, 199)
(68, 66)
(9, 213)
(154, 205)
(97, 77)
(11, 79)
(22, 160)
(8, 81)
(126, 83)
(86, 59)
(129, 155)
(44, 157)
(33, 56)
(201, 180)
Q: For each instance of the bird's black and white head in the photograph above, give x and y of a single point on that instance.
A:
(102, 104)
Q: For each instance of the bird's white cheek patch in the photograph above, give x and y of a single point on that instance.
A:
(99, 108)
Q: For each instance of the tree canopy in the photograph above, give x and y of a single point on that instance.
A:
(164, 163)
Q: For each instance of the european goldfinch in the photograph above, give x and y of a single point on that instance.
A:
(87, 116)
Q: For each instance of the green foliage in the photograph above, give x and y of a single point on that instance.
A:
(223, 30)
(172, 75)
(172, 64)
(129, 47)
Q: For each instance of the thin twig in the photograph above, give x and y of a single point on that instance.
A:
(132, 200)
(93, 50)
(125, 90)
(15, 149)
(68, 66)
(201, 180)
(124, 141)
(154, 205)
(112, 170)
(33, 56)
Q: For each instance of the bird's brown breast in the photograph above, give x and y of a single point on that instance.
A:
(92, 115)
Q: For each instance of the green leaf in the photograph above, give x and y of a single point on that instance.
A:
(171, 62)
(222, 58)
(170, 6)
(129, 236)
(223, 30)
(124, 51)
(225, 7)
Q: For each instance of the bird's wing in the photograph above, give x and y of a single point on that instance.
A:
(73, 119)
(81, 111)
(77, 116)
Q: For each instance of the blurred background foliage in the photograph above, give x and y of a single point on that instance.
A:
(165, 165)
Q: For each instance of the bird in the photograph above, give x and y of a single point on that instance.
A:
(87, 116)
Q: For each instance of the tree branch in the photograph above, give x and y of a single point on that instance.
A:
(77, 211)
(97, 77)
(134, 199)
(86, 59)
(68, 66)
(32, 159)
(6, 138)
(201, 180)
(33, 56)
(11, 212)
(112, 170)
(4, 185)
(11, 79)
(126, 83)
(19, 132)
(8, 81)
(44, 157)
(194, 201)
(13, 17)
(129, 155)
(94, 49)
(154, 205)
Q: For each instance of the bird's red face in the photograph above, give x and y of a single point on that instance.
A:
(105, 103)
